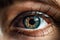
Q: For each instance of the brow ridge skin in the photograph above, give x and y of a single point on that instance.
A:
(44, 1)
(9, 2)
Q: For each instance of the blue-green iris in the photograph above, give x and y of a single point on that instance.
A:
(31, 22)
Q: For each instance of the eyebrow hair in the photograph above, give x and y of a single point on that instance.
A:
(4, 3)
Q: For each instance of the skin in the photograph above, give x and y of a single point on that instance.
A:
(17, 6)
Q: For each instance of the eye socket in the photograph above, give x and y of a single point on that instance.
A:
(31, 21)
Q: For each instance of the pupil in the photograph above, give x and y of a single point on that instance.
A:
(31, 21)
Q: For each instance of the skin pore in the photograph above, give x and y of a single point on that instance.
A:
(9, 12)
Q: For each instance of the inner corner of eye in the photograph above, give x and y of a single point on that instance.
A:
(31, 20)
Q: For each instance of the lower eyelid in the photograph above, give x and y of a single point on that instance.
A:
(48, 30)
(37, 33)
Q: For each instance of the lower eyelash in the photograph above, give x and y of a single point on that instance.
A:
(36, 33)
(16, 33)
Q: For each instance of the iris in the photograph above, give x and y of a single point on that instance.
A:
(31, 22)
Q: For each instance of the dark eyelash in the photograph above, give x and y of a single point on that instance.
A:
(19, 16)
(48, 9)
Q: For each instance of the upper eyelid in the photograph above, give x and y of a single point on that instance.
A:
(49, 8)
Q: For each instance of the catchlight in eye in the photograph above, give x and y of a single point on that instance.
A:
(31, 20)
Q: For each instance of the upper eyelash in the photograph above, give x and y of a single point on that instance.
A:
(49, 9)
(18, 28)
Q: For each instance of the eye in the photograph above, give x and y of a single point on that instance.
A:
(31, 21)
(34, 20)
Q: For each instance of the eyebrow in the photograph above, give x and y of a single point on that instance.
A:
(9, 2)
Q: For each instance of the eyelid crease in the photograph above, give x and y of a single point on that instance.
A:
(16, 8)
(50, 2)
